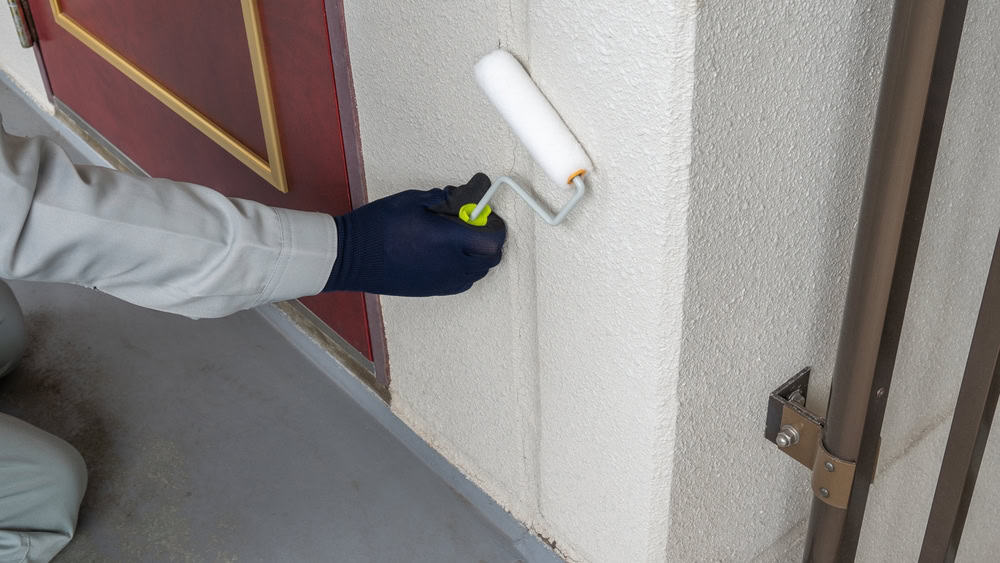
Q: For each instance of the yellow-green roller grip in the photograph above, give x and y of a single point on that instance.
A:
(468, 208)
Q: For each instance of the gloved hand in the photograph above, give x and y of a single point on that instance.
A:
(413, 243)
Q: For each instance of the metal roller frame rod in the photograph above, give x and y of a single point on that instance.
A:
(920, 61)
(578, 184)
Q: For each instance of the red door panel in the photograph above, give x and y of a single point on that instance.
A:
(199, 51)
(211, 71)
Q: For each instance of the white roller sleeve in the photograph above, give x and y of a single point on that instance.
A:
(531, 116)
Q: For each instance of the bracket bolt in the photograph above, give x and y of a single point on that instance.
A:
(788, 436)
(829, 466)
(798, 398)
(824, 492)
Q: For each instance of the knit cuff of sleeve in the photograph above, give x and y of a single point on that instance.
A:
(360, 261)
(309, 250)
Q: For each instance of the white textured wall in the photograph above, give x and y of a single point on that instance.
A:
(565, 415)
(784, 103)
(19, 63)
(785, 94)
(424, 124)
(610, 284)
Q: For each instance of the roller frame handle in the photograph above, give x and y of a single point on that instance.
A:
(538, 207)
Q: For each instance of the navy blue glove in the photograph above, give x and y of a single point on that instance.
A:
(413, 244)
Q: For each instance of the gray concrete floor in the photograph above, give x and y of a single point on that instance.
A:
(216, 440)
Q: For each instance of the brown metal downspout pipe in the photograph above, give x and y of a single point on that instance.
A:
(906, 135)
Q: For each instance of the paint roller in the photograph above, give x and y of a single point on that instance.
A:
(540, 129)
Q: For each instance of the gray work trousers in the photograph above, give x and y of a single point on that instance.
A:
(42, 478)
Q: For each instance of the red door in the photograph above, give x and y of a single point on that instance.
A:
(238, 95)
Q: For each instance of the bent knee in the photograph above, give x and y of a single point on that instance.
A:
(43, 476)
(65, 473)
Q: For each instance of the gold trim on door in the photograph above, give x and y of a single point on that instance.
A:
(272, 169)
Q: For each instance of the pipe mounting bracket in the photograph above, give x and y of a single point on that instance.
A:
(798, 432)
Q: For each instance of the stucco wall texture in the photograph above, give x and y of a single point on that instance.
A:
(785, 97)
(551, 383)
(784, 104)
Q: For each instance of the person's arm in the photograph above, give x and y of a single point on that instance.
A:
(165, 245)
(187, 249)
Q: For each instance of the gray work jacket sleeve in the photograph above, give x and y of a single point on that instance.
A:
(165, 245)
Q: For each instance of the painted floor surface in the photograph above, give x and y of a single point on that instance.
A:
(216, 440)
